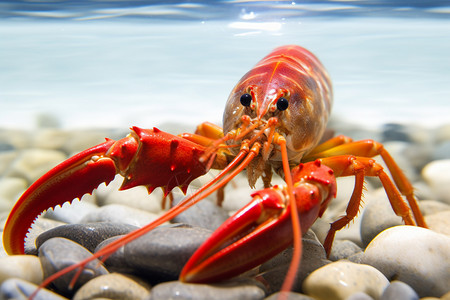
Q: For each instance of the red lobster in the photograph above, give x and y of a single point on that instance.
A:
(273, 121)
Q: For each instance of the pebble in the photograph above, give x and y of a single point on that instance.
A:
(72, 212)
(33, 163)
(397, 290)
(58, 253)
(436, 174)
(19, 289)
(87, 235)
(343, 249)
(359, 296)
(417, 256)
(339, 280)
(26, 267)
(10, 190)
(439, 222)
(40, 225)
(204, 214)
(161, 253)
(313, 257)
(117, 213)
(378, 215)
(113, 286)
(230, 290)
(289, 296)
(429, 207)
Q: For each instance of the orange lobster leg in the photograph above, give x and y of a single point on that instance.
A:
(370, 148)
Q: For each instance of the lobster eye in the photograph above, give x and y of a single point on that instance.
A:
(282, 104)
(246, 99)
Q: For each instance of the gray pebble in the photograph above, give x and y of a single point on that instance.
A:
(58, 253)
(229, 290)
(203, 214)
(343, 249)
(74, 212)
(398, 290)
(19, 289)
(313, 257)
(395, 132)
(442, 151)
(289, 296)
(159, 254)
(113, 286)
(378, 216)
(87, 235)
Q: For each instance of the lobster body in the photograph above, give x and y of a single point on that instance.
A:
(274, 119)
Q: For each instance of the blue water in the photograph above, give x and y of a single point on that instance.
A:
(145, 63)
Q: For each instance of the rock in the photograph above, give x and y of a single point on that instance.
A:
(113, 286)
(289, 296)
(399, 290)
(26, 267)
(10, 190)
(159, 254)
(359, 296)
(33, 163)
(313, 257)
(429, 207)
(343, 249)
(19, 289)
(136, 197)
(87, 235)
(15, 138)
(378, 215)
(229, 290)
(439, 222)
(417, 256)
(71, 212)
(437, 176)
(116, 213)
(7, 159)
(203, 214)
(58, 253)
(39, 226)
(50, 138)
(395, 132)
(341, 279)
(442, 151)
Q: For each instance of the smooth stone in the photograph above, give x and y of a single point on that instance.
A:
(409, 157)
(33, 163)
(87, 235)
(11, 188)
(204, 214)
(442, 133)
(39, 226)
(113, 286)
(17, 138)
(436, 174)
(49, 138)
(359, 296)
(378, 215)
(26, 267)
(116, 213)
(343, 249)
(341, 279)
(229, 290)
(417, 256)
(159, 254)
(442, 151)
(313, 257)
(71, 213)
(7, 159)
(136, 197)
(19, 289)
(429, 207)
(399, 290)
(395, 132)
(58, 253)
(80, 140)
(288, 296)
(439, 222)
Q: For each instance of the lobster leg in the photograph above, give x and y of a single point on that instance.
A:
(370, 148)
(349, 165)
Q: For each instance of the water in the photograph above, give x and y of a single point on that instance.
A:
(115, 64)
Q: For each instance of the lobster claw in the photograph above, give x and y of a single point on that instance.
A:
(173, 161)
(262, 228)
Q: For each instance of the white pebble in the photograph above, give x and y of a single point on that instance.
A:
(417, 256)
(437, 175)
(26, 267)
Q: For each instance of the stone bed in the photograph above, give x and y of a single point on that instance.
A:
(374, 258)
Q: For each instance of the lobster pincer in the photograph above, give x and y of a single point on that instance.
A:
(173, 161)
(262, 228)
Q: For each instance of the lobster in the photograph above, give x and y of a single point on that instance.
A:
(274, 120)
